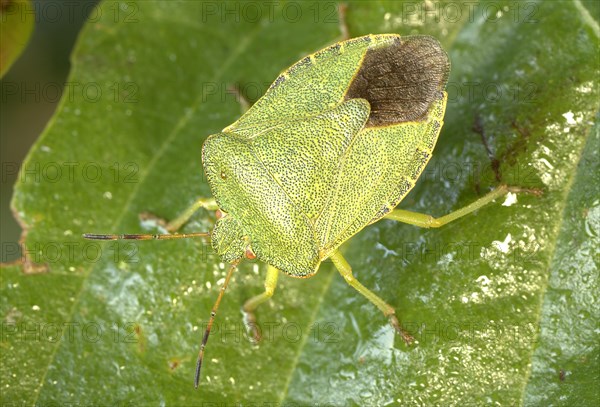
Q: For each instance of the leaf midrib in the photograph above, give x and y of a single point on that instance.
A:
(566, 192)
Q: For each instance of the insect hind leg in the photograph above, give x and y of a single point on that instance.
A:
(342, 9)
(428, 221)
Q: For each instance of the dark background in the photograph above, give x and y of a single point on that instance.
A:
(40, 71)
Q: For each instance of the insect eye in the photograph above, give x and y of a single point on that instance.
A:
(223, 175)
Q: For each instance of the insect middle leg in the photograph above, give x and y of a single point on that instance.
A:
(239, 96)
(428, 221)
(251, 305)
(346, 271)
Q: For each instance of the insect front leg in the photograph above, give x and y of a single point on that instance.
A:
(251, 305)
(346, 271)
(206, 203)
(428, 221)
(174, 225)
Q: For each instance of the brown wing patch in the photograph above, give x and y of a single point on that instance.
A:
(401, 80)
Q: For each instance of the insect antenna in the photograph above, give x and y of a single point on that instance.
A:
(213, 313)
(166, 236)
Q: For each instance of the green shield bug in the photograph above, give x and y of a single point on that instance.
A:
(336, 142)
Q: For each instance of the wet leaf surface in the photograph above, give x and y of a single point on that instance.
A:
(500, 302)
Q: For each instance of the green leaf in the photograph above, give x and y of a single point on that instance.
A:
(16, 26)
(565, 365)
(500, 301)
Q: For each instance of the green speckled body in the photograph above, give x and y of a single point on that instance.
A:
(319, 156)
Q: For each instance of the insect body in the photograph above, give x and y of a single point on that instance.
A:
(336, 142)
(334, 145)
